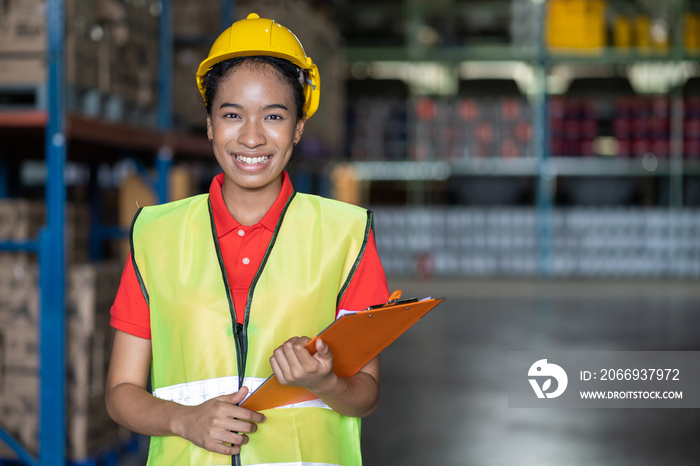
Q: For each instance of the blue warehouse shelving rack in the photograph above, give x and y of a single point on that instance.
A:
(60, 128)
(51, 253)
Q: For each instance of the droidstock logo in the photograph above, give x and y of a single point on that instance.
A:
(541, 374)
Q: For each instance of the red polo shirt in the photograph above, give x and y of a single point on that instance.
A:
(242, 249)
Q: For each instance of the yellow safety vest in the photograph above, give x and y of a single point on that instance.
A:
(200, 352)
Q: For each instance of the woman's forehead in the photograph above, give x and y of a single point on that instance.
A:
(256, 68)
(256, 83)
(261, 71)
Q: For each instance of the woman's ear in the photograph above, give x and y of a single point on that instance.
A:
(299, 129)
(210, 131)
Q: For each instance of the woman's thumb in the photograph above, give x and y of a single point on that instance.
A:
(323, 352)
(239, 395)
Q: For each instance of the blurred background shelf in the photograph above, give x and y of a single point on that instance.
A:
(512, 53)
(85, 129)
(558, 166)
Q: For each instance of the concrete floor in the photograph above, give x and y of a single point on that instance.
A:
(444, 399)
(444, 383)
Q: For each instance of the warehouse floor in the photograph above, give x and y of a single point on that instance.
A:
(444, 387)
(444, 390)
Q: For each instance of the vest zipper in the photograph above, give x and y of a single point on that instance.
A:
(241, 339)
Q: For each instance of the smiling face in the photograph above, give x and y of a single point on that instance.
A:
(253, 128)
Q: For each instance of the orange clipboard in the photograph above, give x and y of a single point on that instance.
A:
(354, 340)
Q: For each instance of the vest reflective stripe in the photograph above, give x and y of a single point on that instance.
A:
(296, 463)
(195, 393)
(315, 250)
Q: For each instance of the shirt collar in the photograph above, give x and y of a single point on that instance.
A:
(223, 219)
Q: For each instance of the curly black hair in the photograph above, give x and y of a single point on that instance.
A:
(287, 71)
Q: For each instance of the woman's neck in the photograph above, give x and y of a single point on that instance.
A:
(249, 206)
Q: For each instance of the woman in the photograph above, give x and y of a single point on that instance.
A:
(224, 289)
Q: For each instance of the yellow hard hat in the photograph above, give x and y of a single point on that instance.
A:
(260, 36)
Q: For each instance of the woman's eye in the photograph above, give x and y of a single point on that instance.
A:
(275, 117)
(231, 115)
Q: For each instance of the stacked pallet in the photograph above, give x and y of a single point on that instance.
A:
(90, 290)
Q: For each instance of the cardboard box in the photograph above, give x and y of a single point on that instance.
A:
(91, 290)
(23, 71)
(83, 32)
(135, 193)
(18, 408)
(19, 300)
(346, 187)
(18, 350)
(188, 109)
(23, 41)
(22, 219)
(89, 428)
(195, 18)
(22, 27)
(181, 183)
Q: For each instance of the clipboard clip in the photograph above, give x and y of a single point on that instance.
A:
(394, 299)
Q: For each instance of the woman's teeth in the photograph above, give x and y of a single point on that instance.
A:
(253, 160)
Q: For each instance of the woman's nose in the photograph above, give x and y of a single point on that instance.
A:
(252, 134)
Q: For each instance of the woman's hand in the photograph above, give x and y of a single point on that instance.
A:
(294, 365)
(355, 396)
(219, 425)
